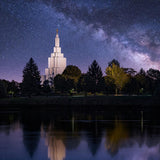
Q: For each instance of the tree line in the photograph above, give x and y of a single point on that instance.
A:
(117, 80)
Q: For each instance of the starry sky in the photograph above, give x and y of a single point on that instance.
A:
(127, 30)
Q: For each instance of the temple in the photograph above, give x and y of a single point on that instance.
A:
(56, 63)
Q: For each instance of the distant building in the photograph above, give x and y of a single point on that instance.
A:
(56, 63)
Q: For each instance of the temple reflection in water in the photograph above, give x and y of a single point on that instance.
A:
(56, 147)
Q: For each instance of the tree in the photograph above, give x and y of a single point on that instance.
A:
(3, 88)
(131, 85)
(141, 81)
(13, 88)
(46, 87)
(130, 71)
(72, 74)
(110, 87)
(59, 83)
(31, 79)
(154, 74)
(94, 79)
(118, 75)
(81, 85)
(62, 84)
(114, 61)
(154, 77)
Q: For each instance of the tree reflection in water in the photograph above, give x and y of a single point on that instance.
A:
(116, 137)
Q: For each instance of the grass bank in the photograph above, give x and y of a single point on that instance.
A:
(81, 101)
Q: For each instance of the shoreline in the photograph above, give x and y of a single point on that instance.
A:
(81, 101)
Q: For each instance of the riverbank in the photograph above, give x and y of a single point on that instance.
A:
(54, 101)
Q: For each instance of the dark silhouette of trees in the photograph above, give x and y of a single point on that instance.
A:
(3, 89)
(94, 80)
(62, 84)
(59, 83)
(13, 88)
(154, 74)
(72, 74)
(81, 85)
(154, 81)
(31, 79)
(110, 86)
(131, 86)
(114, 61)
(130, 71)
(141, 81)
(117, 79)
(68, 80)
(8, 88)
(46, 87)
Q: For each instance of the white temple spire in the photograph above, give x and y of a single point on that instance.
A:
(56, 62)
(57, 41)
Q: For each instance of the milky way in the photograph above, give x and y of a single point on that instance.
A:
(127, 30)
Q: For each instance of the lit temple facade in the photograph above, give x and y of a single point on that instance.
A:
(56, 63)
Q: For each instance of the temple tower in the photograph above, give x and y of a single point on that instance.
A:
(57, 61)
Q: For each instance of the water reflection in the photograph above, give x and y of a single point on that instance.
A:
(54, 142)
(58, 136)
(116, 137)
(31, 132)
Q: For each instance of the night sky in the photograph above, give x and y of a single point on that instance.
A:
(127, 30)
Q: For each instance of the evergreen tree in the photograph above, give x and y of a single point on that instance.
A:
(31, 79)
(94, 80)
(3, 89)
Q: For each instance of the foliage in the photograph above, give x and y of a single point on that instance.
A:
(130, 71)
(114, 61)
(8, 88)
(154, 74)
(118, 75)
(154, 79)
(124, 80)
(31, 79)
(110, 87)
(62, 84)
(141, 81)
(13, 88)
(94, 80)
(72, 72)
(81, 85)
(46, 87)
(3, 89)
(132, 86)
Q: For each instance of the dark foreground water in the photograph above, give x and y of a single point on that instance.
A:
(62, 135)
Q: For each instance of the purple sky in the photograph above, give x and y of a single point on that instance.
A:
(127, 30)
